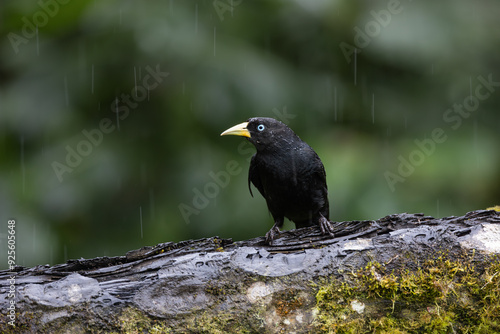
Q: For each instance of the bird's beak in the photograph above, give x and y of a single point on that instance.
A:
(238, 130)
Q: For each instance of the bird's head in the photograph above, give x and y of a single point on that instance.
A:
(263, 132)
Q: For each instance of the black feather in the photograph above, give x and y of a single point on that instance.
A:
(289, 175)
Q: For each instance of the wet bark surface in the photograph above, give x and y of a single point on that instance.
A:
(179, 287)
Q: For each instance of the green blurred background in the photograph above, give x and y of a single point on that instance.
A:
(140, 183)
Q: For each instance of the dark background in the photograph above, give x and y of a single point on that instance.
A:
(228, 61)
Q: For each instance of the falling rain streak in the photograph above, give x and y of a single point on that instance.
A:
(135, 81)
(355, 64)
(23, 170)
(37, 42)
(373, 108)
(140, 214)
(215, 34)
(475, 142)
(34, 238)
(116, 112)
(335, 101)
(329, 92)
(196, 19)
(92, 89)
(470, 87)
(66, 90)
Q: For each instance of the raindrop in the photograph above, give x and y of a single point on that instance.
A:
(196, 19)
(184, 88)
(120, 17)
(470, 87)
(355, 64)
(140, 213)
(23, 170)
(116, 112)
(135, 81)
(437, 205)
(335, 102)
(37, 43)
(215, 35)
(65, 253)
(373, 108)
(66, 90)
(475, 142)
(34, 238)
(92, 79)
(329, 92)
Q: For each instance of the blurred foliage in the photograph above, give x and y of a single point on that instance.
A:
(228, 61)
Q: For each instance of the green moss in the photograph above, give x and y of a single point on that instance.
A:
(222, 290)
(441, 296)
(376, 285)
(23, 323)
(132, 321)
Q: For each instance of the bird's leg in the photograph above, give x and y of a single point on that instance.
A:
(325, 226)
(274, 231)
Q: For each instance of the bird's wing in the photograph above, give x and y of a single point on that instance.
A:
(317, 180)
(322, 172)
(254, 177)
(323, 188)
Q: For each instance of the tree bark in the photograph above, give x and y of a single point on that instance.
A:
(366, 278)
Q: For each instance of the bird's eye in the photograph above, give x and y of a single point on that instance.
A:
(261, 127)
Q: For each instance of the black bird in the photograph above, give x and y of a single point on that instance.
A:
(288, 174)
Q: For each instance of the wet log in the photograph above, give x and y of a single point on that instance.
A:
(406, 272)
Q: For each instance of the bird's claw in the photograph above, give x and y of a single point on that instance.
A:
(325, 226)
(272, 234)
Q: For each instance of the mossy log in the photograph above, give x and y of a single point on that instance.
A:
(404, 273)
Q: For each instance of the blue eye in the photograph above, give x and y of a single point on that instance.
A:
(261, 127)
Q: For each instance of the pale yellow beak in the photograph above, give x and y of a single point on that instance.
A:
(238, 130)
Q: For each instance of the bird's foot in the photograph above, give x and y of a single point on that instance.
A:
(325, 226)
(272, 234)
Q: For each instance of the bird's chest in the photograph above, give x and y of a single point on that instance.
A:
(281, 172)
